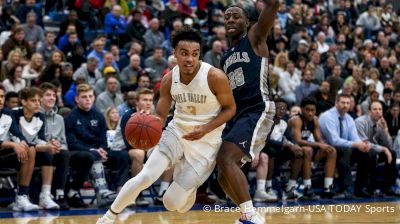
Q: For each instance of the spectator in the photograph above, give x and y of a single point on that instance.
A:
(32, 125)
(108, 61)
(98, 51)
(143, 80)
(130, 102)
(47, 46)
(101, 83)
(372, 128)
(112, 120)
(110, 97)
(33, 33)
(73, 19)
(55, 133)
(115, 25)
(29, 6)
(15, 82)
(129, 74)
(66, 77)
(70, 45)
(369, 21)
(17, 41)
(19, 156)
(324, 99)
(392, 118)
(156, 64)
(339, 130)
(213, 56)
(153, 37)
(69, 97)
(305, 87)
(89, 71)
(11, 100)
(32, 70)
(170, 13)
(288, 82)
(323, 47)
(13, 59)
(86, 136)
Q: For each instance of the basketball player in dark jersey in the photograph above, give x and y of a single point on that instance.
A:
(302, 126)
(246, 65)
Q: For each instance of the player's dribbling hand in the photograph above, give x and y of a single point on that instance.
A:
(198, 132)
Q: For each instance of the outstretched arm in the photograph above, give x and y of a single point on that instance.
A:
(259, 31)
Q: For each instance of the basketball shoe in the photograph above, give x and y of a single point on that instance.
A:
(250, 219)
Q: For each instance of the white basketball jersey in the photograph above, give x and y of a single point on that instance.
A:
(195, 104)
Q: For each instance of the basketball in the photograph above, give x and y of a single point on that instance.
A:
(143, 131)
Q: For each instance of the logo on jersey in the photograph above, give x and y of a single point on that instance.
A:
(236, 57)
(243, 144)
(190, 97)
(93, 123)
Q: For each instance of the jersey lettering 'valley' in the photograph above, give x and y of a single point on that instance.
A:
(190, 97)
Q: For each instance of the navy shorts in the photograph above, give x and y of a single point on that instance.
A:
(249, 130)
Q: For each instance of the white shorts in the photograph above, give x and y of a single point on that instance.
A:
(192, 167)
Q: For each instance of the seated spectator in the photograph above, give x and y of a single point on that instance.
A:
(55, 133)
(101, 83)
(112, 120)
(143, 81)
(29, 6)
(339, 130)
(73, 19)
(33, 33)
(115, 25)
(288, 82)
(47, 46)
(153, 37)
(86, 137)
(135, 29)
(32, 125)
(15, 82)
(306, 86)
(213, 56)
(98, 51)
(89, 71)
(13, 59)
(66, 77)
(392, 118)
(11, 100)
(156, 64)
(17, 41)
(302, 127)
(372, 128)
(17, 155)
(324, 99)
(110, 97)
(108, 61)
(70, 45)
(129, 74)
(32, 70)
(69, 97)
(130, 102)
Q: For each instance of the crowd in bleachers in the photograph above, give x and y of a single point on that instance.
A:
(72, 72)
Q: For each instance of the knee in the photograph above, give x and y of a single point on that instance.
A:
(263, 158)
(136, 155)
(175, 197)
(170, 202)
(31, 154)
(332, 154)
(307, 152)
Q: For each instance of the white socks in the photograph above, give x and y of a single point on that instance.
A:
(163, 187)
(71, 193)
(307, 183)
(247, 208)
(269, 184)
(260, 185)
(291, 184)
(328, 181)
(46, 189)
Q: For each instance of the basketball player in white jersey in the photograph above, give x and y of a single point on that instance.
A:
(203, 104)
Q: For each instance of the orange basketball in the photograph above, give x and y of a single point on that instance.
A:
(143, 131)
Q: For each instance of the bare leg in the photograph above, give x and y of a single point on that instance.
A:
(137, 157)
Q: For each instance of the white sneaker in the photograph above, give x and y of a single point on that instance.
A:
(22, 203)
(46, 202)
(260, 195)
(105, 220)
(272, 195)
(255, 219)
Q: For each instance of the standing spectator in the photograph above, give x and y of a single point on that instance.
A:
(153, 38)
(15, 82)
(55, 133)
(339, 130)
(372, 128)
(32, 70)
(86, 136)
(115, 25)
(110, 97)
(17, 41)
(156, 63)
(18, 155)
(47, 46)
(214, 55)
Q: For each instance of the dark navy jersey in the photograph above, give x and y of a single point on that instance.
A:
(307, 128)
(248, 75)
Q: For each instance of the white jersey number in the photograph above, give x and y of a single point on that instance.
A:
(236, 78)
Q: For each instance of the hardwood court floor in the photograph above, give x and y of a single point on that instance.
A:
(371, 212)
